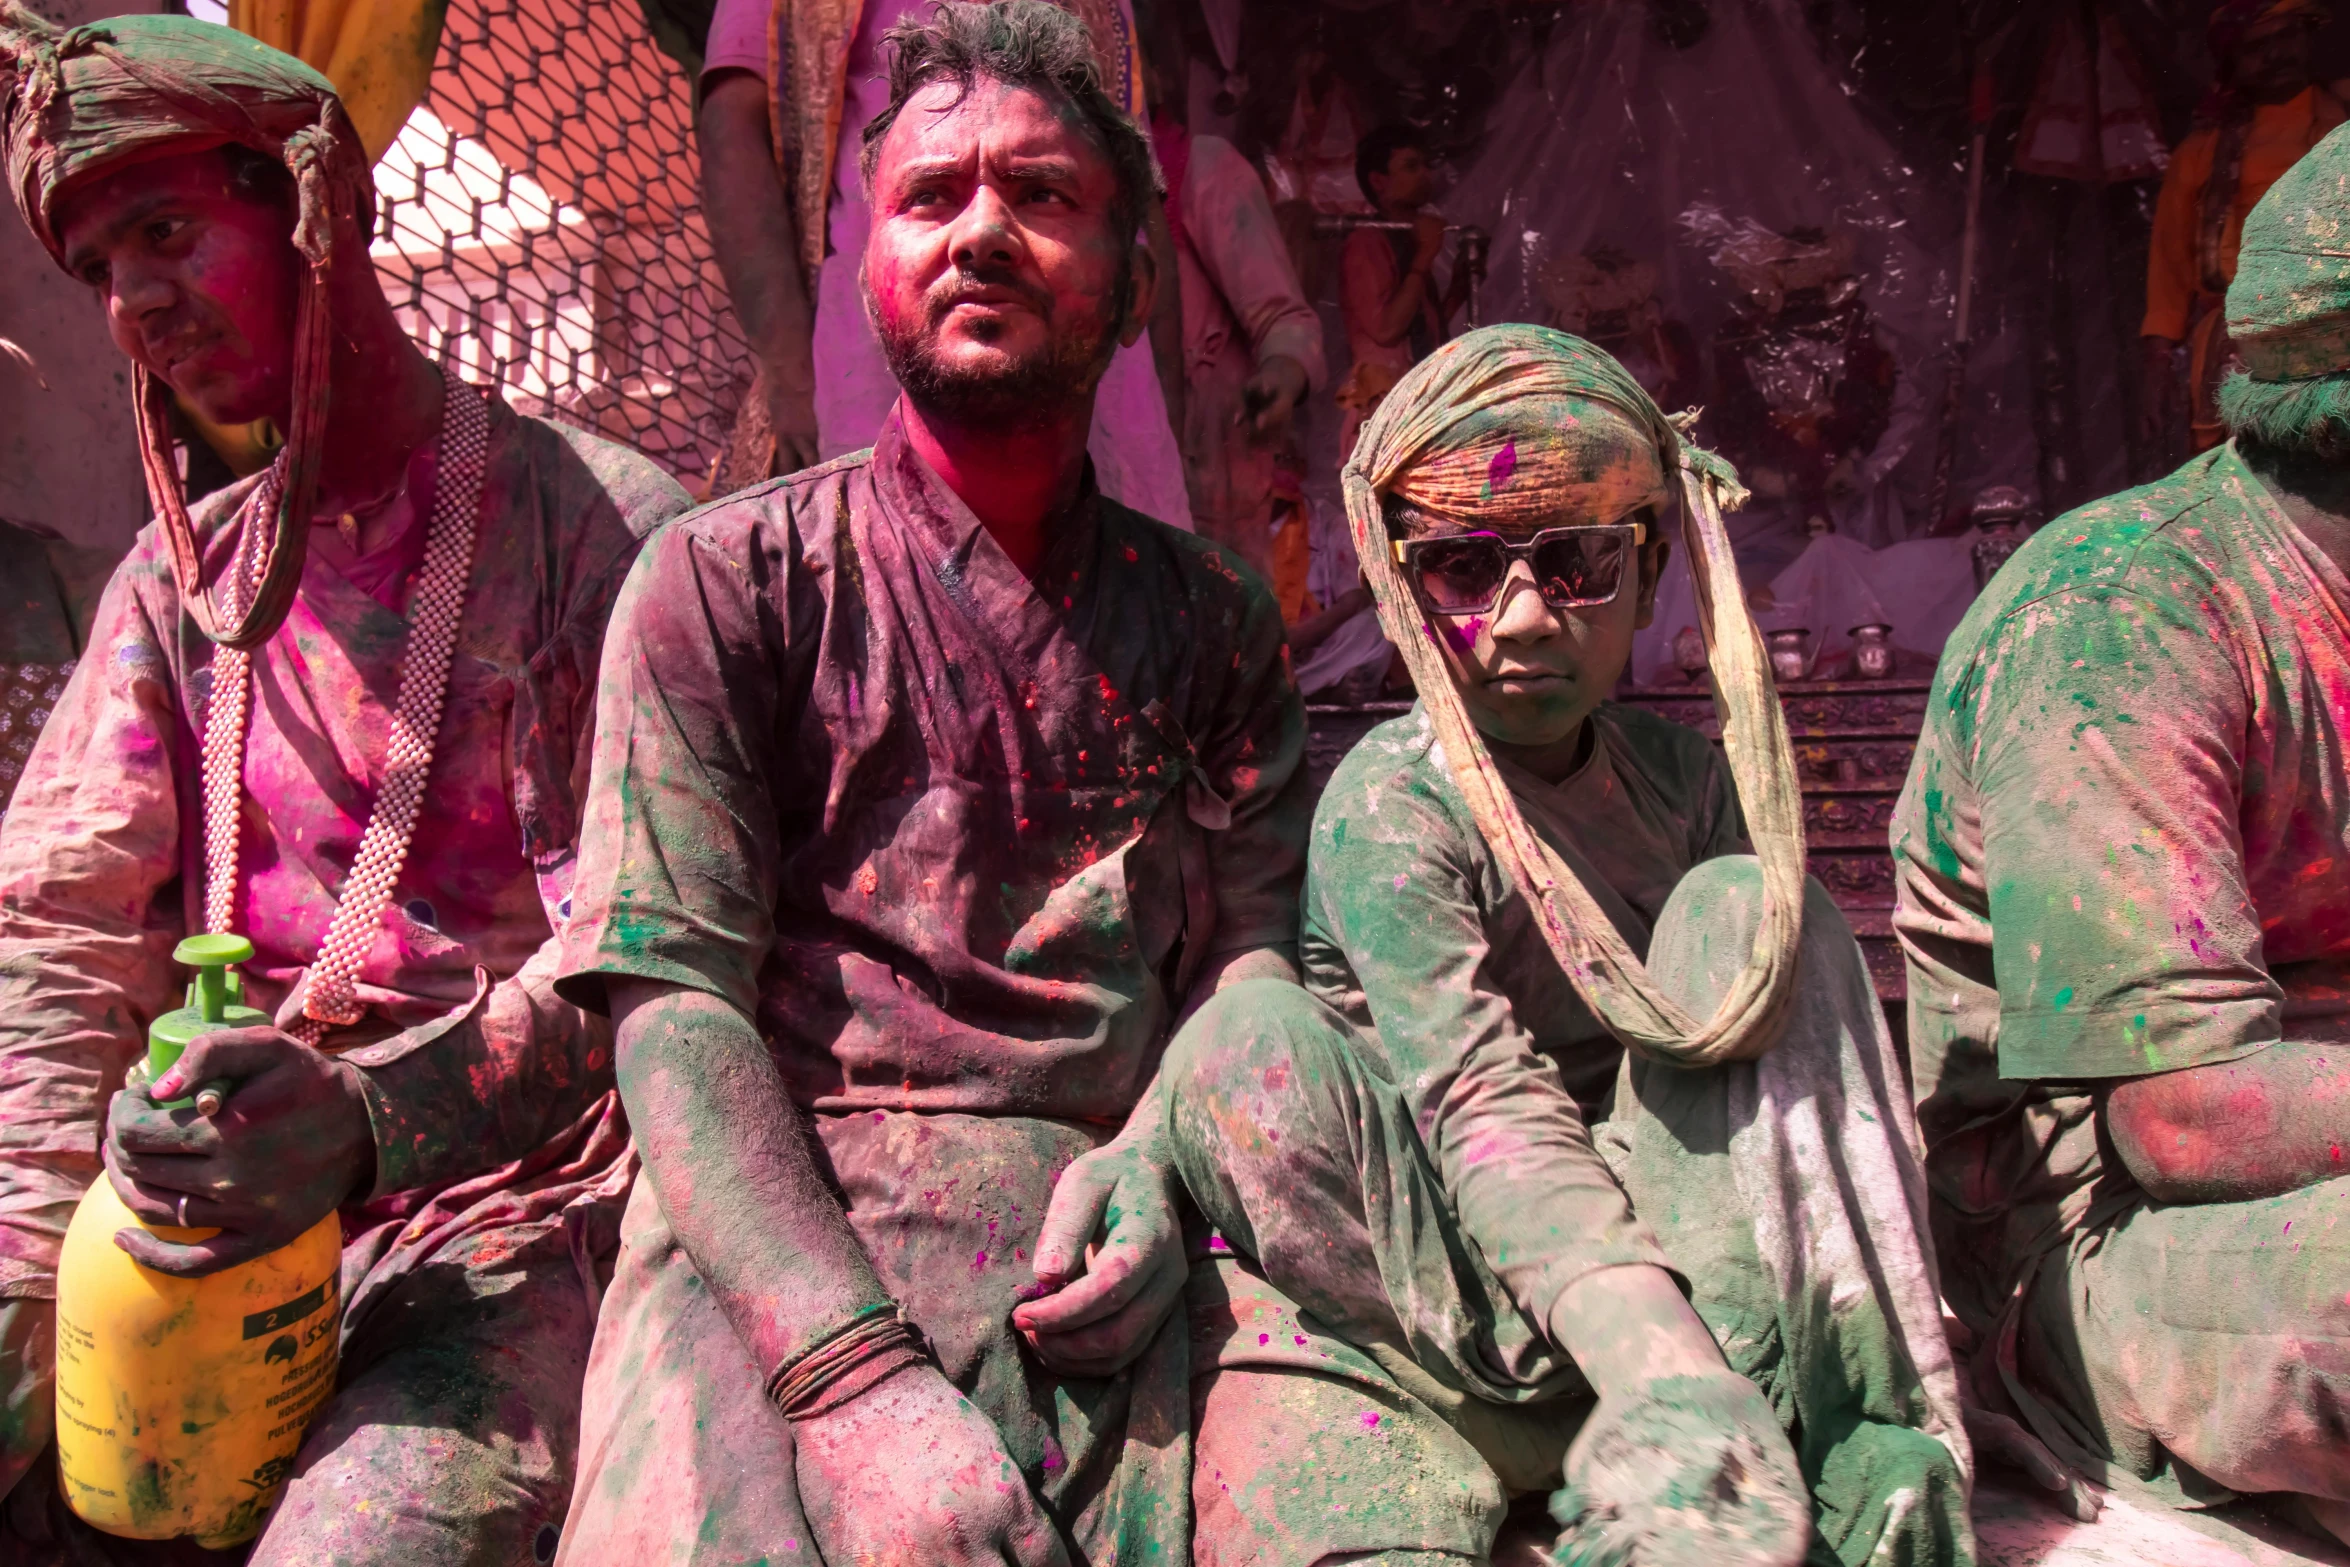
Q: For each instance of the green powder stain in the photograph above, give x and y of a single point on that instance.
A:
(2064, 998)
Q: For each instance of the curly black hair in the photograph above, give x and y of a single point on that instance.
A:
(1021, 43)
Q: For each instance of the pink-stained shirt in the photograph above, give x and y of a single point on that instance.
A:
(469, 1061)
(2123, 846)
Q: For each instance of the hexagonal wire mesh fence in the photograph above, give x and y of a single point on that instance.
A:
(539, 227)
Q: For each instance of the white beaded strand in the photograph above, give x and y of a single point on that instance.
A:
(330, 999)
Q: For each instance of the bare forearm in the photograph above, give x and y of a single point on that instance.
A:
(731, 1159)
(753, 232)
(2266, 1123)
(1311, 632)
(1630, 1326)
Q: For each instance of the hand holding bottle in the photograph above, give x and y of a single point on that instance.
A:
(290, 1144)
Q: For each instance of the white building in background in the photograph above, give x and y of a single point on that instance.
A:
(487, 271)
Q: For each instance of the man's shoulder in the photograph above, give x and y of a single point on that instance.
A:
(640, 490)
(1397, 761)
(770, 512)
(2164, 541)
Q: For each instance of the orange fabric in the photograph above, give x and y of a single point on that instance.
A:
(2280, 134)
(1293, 560)
(378, 53)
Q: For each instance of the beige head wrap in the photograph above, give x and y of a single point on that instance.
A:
(1513, 425)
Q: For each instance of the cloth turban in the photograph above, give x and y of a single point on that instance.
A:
(84, 102)
(2289, 306)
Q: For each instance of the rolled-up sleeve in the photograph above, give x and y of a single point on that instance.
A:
(680, 848)
(2107, 730)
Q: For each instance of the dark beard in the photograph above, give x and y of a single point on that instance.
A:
(1030, 392)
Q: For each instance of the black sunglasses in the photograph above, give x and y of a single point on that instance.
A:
(1574, 568)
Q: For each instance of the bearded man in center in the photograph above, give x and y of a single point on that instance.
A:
(933, 787)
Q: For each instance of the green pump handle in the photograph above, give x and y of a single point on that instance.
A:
(215, 1001)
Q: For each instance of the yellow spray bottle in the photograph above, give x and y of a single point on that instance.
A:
(181, 1402)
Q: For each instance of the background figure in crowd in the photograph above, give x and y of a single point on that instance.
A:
(2263, 113)
(1395, 315)
(1401, 1153)
(459, 1114)
(787, 89)
(932, 782)
(1803, 387)
(2120, 860)
(1608, 299)
(48, 594)
(1252, 346)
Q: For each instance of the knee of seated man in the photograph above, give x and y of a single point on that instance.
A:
(1244, 1031)
(1724, 897)
(1259, 1054)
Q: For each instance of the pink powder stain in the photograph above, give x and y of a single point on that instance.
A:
(1399, 882)
(1463, 637)
(979, 1262)
(1499, 471)
(1370, 1419)
(1267, 1338)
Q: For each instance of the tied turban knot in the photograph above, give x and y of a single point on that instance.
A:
(80, 103)
(1524, 426)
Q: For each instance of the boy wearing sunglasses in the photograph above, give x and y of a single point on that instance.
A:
(1709, 1333)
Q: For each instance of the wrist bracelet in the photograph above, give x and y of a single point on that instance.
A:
(798, 1386)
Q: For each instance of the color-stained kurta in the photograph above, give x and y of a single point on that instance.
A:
(495, 1120)
(2121, 851)
(48, 594)
(956, 842)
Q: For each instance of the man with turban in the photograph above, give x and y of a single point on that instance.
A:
(1581, 1167)
(2121, 861)
(931, 784)
(342, 707)
(2264, 112)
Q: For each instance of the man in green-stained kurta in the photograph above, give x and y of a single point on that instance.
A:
(1476, 1252)
(2122, 857)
